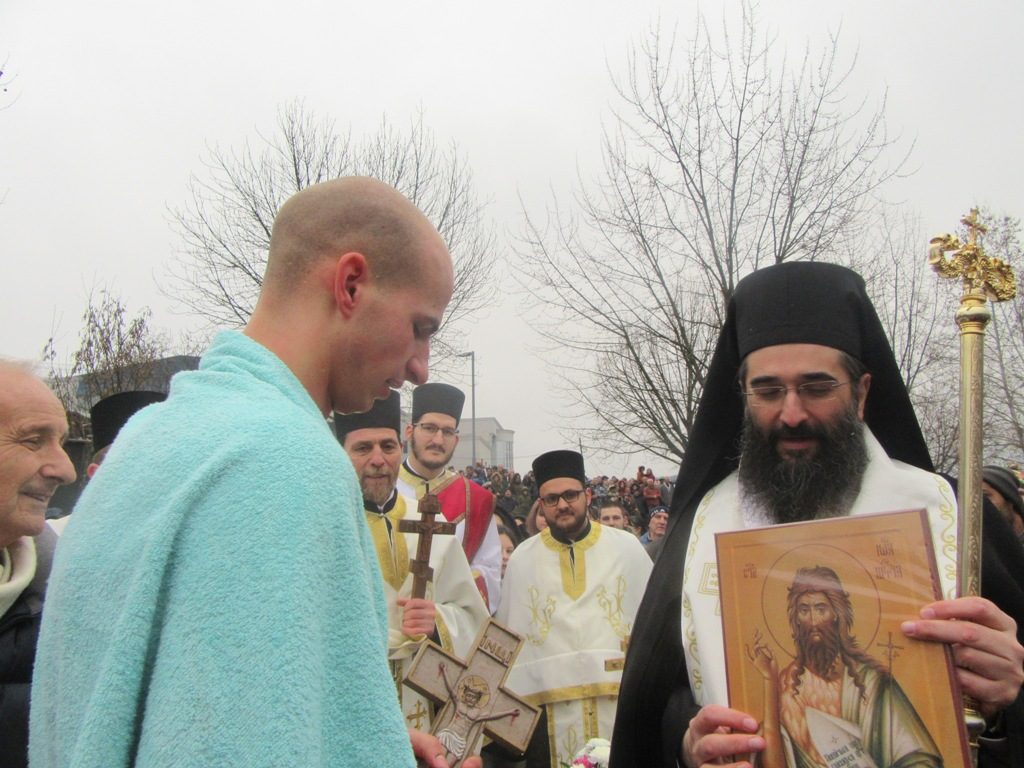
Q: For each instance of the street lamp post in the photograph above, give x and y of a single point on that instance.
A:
(472, 384)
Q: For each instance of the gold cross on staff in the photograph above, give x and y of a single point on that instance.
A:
(429, 507)
(980, 273)
(473, 695)
(617, 665)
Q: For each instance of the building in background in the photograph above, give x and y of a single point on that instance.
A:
(494, 443)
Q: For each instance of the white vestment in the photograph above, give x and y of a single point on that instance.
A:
(887, 486)
(574, 606)
(460, 609)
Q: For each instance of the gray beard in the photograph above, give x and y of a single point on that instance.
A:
(792, 490)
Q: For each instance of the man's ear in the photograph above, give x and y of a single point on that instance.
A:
(862, 389)
(351, 277)
(408, 431)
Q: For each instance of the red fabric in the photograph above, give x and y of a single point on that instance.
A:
(478, 516)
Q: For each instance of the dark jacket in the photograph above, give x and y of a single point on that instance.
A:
(19, 631)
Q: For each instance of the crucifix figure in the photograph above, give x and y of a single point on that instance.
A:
(472, 692)
(426, 527)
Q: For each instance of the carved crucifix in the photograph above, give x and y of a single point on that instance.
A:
(429, 507)
(473, 694)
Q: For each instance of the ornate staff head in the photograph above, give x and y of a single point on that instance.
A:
(980, 273)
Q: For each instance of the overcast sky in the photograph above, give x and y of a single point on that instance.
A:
(110, 106)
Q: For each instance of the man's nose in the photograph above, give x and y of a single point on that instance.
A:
(59, 467)
(793, 411)
(418, 368)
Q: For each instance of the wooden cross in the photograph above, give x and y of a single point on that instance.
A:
(473, 695)
(426, 527)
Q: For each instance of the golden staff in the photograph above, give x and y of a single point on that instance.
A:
(983, 278)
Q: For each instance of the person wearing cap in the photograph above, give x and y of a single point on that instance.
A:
(111, 413)
(452, 611)
(33, 464)
(572, 592)
(433, 435)
(217, 599)
(803, 415)
(656, 527)
(1002, 489)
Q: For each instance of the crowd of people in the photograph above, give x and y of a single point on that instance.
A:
(259, 559)
(625, 503)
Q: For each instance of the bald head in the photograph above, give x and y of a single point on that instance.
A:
(354, 214)
(356, 286)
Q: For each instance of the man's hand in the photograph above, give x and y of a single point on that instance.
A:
(719, 732)
(429, 752)
(761, 656)
(417, 616)
(988, 659)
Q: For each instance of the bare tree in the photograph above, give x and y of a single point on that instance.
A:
(226, 225)
(1004, 350)
(720, 159)
(916, 310)
(116, 353)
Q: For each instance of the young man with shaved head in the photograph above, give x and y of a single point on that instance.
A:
(33, 465)
(218, 599)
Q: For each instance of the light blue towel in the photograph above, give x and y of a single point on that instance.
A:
(216, 599)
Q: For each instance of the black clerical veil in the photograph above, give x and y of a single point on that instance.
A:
(791, 303)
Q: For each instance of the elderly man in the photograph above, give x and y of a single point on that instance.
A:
(433, 436)
(218, 598)
(572, 592)
(804, 389)
(452, 611)
(656, 528)
(33, 464)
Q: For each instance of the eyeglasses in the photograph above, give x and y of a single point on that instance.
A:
(433, 429)
(808, 392)
(551, 500)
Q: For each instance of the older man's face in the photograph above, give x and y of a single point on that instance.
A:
(33, 463)
(657, 525)
(376, 456)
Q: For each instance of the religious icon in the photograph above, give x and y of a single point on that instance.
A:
(472, 694)
(464, 719)
(811, 616)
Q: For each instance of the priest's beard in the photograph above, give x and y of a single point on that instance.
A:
(818, 655)
(804, 487)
